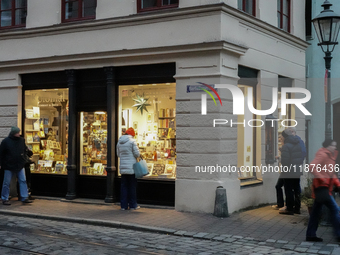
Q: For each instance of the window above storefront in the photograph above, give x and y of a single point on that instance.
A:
(283, 14)
(13, 13)
(76, 10)
(248, 6)
(151, 5)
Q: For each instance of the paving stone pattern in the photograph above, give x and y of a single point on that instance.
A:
(19, 234)
(259, 228)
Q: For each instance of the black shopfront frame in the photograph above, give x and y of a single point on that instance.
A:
(97, 90)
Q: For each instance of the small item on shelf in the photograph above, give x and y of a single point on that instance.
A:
(59, 166)
(36, 138)
(36, 125)
(158, 169)
(29, 113)
(36, 148)
(36, 112)
(150, 168)
(29, 138)
(155, 156)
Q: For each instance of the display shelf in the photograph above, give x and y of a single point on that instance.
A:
(32, 130)
(166, 117)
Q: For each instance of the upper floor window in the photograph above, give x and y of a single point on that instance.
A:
(247, 6)
(73, 10)
(283, 14)
(13, 13)
(149, 5)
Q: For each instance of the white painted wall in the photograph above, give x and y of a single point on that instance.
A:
(207, 46)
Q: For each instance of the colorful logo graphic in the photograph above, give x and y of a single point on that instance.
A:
(213, 90)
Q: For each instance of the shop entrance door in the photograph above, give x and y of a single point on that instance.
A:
(92, 154)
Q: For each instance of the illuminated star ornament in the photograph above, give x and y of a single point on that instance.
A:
(141, 103)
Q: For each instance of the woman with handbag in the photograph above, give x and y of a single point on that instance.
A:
(128, 151)
(323, 169)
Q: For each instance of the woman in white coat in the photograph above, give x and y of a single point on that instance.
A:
(128, 151)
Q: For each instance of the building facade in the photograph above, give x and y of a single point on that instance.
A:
(315, 73)
(74, 73)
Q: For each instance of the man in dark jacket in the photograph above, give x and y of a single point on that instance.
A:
(292, 157)
(12, 161)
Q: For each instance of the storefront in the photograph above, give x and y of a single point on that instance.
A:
(73, 120)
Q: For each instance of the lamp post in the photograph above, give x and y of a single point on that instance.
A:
(327, 25)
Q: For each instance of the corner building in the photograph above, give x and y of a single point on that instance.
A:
(70, 71)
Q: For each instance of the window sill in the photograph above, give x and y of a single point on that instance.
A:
(151, 9)
(245, 183)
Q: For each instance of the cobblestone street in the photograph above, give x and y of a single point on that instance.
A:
(20, 235)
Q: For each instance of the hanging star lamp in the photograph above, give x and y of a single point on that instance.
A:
(141, 103)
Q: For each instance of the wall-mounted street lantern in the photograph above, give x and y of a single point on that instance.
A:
(327, 25)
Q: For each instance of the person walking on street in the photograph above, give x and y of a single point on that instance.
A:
(12, 160)
(322, 167)
(292, 160)
(128, 152)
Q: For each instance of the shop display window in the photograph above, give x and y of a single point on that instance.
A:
(93, 144)
(46, 129)
(151, 110)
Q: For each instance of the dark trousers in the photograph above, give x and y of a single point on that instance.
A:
(314, 217)
(293, 193)
(279, 192)
(128, 197)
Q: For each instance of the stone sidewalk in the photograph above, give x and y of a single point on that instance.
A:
(261, 225)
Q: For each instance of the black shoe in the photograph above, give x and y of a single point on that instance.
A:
(286, 212)
(313, 239)
(31, 198)
(6, 202)
(27, 201)
(297, 212)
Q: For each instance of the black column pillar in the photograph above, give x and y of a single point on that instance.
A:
(72, 136)
(112, 93)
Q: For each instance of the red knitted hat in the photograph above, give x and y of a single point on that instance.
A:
(130, 131)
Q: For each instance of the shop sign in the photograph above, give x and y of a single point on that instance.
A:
(50, 100)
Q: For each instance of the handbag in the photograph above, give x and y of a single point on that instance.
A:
(140, 168)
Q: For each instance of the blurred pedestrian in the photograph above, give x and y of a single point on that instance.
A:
(322, 167)
(292, 158)
(128, 152)
(12, 160)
